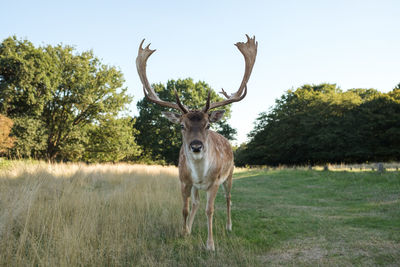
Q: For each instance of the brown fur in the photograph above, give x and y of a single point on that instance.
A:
(215, 168)
(206, 158)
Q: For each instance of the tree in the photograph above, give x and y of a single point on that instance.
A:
(304, 127)
(32, 137)
(318, 124)
(61, 91)
(160, 139)
(395, 93)
(6, 141)
(112, 140)
(375, 128)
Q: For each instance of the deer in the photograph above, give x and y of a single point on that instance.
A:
(205, 157)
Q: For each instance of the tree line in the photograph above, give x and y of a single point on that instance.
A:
(318, 124)
(58, 104)
(61, 105)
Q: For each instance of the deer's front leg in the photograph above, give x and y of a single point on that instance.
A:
(211, 194)
(195, 206)
(185, 189)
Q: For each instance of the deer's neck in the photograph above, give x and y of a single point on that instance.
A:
(199, 166)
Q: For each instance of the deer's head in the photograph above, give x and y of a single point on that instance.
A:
(195, 124)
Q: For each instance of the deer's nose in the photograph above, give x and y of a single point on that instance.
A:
(196, 146)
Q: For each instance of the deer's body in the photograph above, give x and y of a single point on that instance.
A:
(214, 168)
(206, 157)
(206, 173)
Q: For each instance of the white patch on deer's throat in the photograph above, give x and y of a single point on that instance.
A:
(199, 165)
(199, 170)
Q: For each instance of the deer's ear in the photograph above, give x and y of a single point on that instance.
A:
(172, 116)
(216, 115)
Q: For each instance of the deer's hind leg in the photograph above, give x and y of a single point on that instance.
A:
(227, 187)
(211, 194)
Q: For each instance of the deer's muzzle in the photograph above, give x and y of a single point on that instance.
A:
(196, 146)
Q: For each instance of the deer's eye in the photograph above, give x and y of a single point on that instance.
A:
(182, 127)
(208, 126)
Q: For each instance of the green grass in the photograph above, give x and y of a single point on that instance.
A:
(4, 163)
(7, 164)
(297, 218)
(100, 215)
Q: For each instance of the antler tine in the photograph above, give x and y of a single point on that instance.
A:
(224, 93)
(207, 107)
(178, 101)
(141, 61)
(249, 52)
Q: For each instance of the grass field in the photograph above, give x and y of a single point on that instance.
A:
(113, 215)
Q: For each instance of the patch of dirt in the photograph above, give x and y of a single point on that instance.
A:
(308, 251)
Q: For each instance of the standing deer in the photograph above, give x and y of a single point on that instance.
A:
(206, 157)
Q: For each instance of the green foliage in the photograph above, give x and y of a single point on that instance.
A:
(112, 140)
(32, 137)
(320, 123)
(62, 92)
(160, 139)
(241, 155)
(375, 128)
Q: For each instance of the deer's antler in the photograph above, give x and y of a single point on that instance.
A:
(249, 51)
(141, 60)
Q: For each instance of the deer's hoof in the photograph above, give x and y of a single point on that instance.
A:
(185, 231)
(210, 246)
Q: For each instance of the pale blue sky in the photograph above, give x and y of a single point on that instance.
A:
(351, 43)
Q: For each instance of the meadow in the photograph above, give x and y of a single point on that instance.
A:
(130, 215)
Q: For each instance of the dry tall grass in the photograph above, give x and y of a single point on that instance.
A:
(96, 215)
(86, 215)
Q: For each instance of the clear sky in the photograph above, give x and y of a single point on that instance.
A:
(355, 44)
